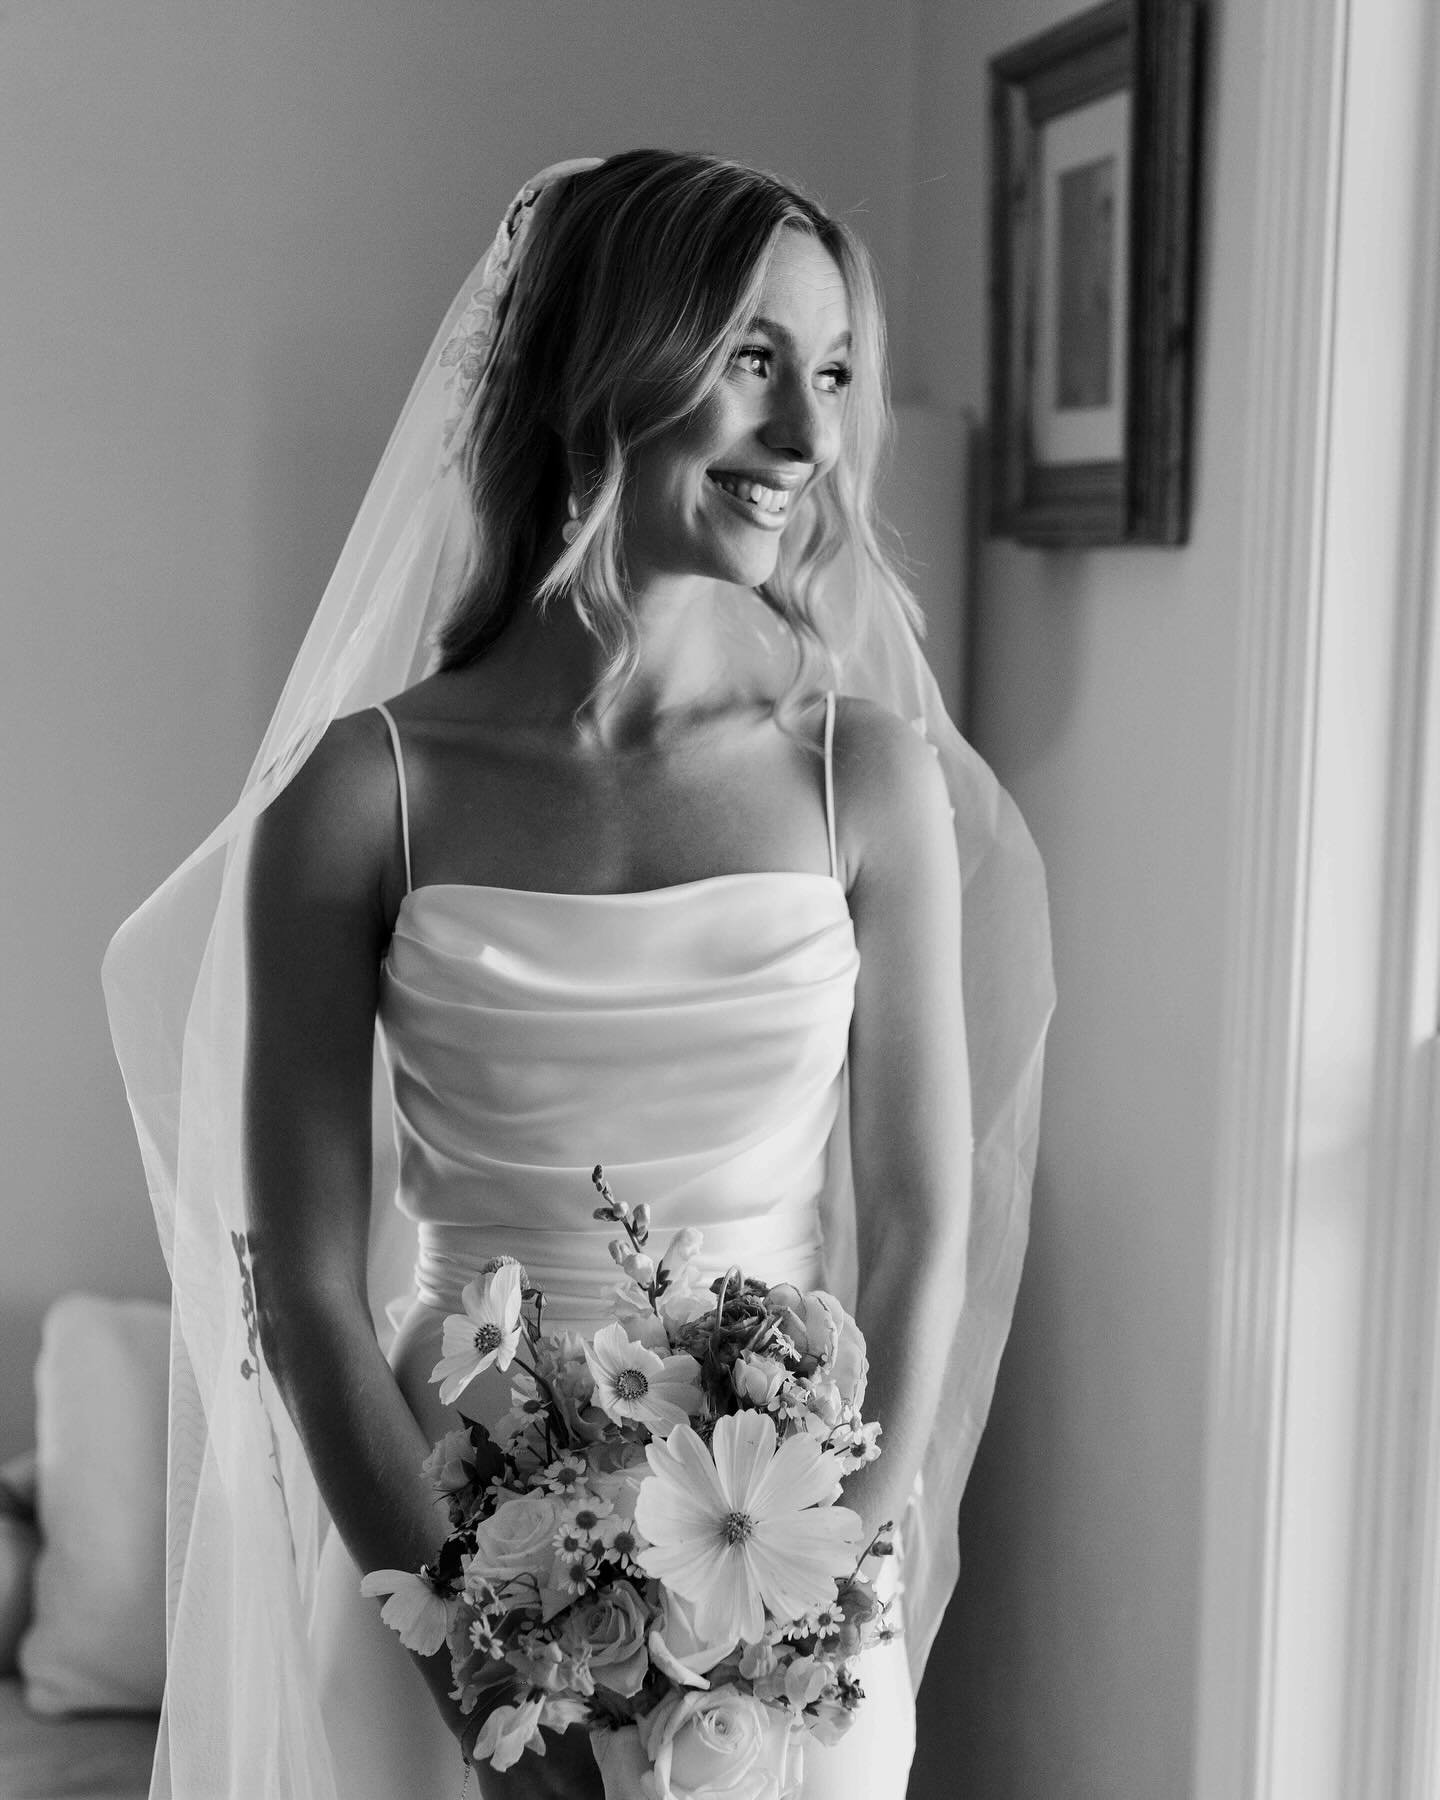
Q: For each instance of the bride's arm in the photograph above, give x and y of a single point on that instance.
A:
(909, 1086)
(320, 897)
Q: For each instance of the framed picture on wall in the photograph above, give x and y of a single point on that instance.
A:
(1093, 148)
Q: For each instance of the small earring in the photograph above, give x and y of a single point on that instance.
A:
(570, 530)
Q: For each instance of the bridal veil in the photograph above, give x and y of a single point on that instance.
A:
(245, 1522)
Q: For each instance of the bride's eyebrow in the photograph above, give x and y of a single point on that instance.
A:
(841, 341)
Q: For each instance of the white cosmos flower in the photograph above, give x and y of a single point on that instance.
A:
(634, 1383)
(488, 1331)
(414, 1609)
(747, 1528)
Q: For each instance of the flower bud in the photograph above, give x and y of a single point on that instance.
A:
(684, 1247)
(756, 1378)
(639, 1268)
(617, 1209)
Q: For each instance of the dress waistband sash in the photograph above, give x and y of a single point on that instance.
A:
(574, 1268)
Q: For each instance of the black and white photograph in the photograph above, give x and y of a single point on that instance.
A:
(720, 843)
(1080, 394)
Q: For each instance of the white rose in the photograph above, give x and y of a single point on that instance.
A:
(517, 1539)
(844, 1352)
(677, 1649)
(611, 1625)
(721, 1745)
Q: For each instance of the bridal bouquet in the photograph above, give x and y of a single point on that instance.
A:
(661, 1554)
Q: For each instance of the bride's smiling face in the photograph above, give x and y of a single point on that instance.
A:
(712, 495)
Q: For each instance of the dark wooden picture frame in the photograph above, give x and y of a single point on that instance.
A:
(1093, 147)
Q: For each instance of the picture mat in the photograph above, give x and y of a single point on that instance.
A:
(1073, 142)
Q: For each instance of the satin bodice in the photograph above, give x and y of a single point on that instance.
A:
(691, 1039)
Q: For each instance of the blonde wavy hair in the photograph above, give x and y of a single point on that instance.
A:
(621, 319)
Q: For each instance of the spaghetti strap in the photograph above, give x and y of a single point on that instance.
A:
(830, 782)
(393, 729)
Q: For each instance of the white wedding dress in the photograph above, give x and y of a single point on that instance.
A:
(693, 1040)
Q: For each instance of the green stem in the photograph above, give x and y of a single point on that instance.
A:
(734, 1270)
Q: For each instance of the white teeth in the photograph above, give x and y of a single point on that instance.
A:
(768, 499)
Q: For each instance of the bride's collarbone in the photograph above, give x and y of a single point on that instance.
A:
(530, 810)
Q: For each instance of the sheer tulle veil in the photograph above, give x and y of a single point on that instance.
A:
(245, 1522)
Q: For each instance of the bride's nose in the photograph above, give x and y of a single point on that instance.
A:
(797, 424)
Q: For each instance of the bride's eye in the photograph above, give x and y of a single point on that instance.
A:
(836, 378)
(755, 359)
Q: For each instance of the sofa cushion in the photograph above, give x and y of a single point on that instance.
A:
(106, 1756)
(97, 1638)
(19, 1547)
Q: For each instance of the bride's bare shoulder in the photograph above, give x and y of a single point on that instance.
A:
(880, 749)
(350, 770)
(333, 826)
(891, 797)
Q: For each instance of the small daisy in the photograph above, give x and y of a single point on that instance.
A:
(482, 1636)
(571, 1543)
(487, 1332)
(585, 1516)
(621, 1544)
(566, 1473)
(633, 1384)
(574, 1573)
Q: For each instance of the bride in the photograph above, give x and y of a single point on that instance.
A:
(610, 787)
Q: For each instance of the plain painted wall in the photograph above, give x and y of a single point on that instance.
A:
(1103, 690)
(230, 233)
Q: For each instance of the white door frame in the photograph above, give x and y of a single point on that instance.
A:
(1393, 1745)
(1323, 1454)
